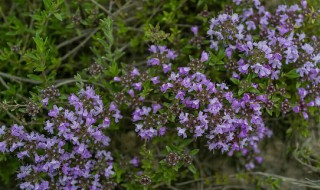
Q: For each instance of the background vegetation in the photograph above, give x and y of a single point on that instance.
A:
(54, 42)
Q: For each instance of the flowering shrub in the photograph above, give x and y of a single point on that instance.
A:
(272, 46)
(217, 94)
(71, 154)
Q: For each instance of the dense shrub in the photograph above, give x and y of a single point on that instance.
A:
(152, 98)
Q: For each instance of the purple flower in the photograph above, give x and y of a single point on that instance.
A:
(162, 49)
(45, 101)
(135, 161)
(106, 122)
(261, 70)
(166, 67)
(180, 95)
(275, 75)
(23, 154)
(195, 104)
(244, 68)
(214, 107)
(204, 56)
(54, 112)
(202, 118)
(296, 109)
(184, 70)
(194, 30)
(182, 132)
(304, 4)
(153, 62)
(137, 86)
(302, 93)
(317, 101)
(117, 116)
(17, 130)
(135, 72)
(26, 185)
(183, 117)
(235, 75)
(3, 146)
(153, 49)
(166, 86)
(305, 115)
(307, 48)
(162, 131)
(316, 58)
(156, 107)
(171, 55)
(116, 79)
(173, 77)
(155, 80)
(2, 130)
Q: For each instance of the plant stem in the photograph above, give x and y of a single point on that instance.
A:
(16, 78)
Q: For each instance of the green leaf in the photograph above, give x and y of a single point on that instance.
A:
(235, 81)
(292, 74)
(58, 16)
(172, 118)
(221, 54)
(40, 68)
(275, 99)
(40, 43)
(118, 172)
(48, 4)
(194, 152)
(146, 89)
(277, 111)
(262, 85)
(240, 92)
(269, 112)
(34, 77)
(113, 70)
(192, 169)
(79, 82)
(253, 90)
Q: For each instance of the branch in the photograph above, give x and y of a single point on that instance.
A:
(79, 46)
(101, 7)
(73, 39)
(301, 183)
(16, 78)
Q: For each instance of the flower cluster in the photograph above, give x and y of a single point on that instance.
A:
(95, 69)
(73, 154)
(149, 122)
(50, 93)
(272, 46)
(261, 48)
(200, 108)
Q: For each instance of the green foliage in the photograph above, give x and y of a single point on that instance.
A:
(54, 42)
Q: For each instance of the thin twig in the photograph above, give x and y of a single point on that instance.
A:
(67, 81)
(27, 38)
(15, 118)
(301, 183)
(3, 16)
(71, 80)
(79, 46)
(111, 6)
(101, 7)
(7, 87)
(125, 6)
(4, 83)
(16, 78)
(225, 187)
(73, 39)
